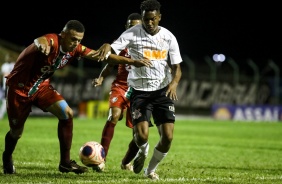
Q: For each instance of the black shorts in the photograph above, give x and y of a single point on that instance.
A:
(143, 104)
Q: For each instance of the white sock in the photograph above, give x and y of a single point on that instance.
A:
(145, 148)
(155, 160)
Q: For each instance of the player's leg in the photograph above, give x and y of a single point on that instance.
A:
(161, 149)
(132, 147)
(109, 127)
(116, 106)
(164, 118)
(50, 100)
(141, 108)
(18, 110)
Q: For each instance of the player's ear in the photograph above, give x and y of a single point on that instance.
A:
(160, 17)
(63, 34)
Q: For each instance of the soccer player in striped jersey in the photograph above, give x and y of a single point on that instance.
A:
(153, 88)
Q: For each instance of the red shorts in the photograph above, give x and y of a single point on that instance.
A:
(19, 107)
(118, 99)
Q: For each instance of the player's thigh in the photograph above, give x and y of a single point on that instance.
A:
(164, 111)
(61, 110)
(114, 114)
(18, 109)
(49, 100)
(166, 131)
(118, 99)
(140, 106)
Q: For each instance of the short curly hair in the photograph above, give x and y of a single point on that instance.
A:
(134, 16)
(74, 25)
(150, 5)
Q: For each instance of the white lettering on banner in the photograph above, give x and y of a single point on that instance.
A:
(202, 94)
(77, 92)
(256, 113)
(192, 94)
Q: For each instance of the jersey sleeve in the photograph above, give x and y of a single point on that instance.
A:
(121, 43)
(174, 51)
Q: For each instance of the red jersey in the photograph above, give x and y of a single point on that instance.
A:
(32, 67)
(121, 77)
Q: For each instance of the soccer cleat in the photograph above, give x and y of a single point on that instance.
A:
(138, 162)
(152, 175)
(100, 167)
(8, 165)
(72, 167)
(127, 167)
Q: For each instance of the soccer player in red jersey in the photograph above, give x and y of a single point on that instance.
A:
(119, 100)
(28, 84)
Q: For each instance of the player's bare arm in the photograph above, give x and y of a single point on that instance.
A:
(115, 59)
(104, 73)
(43, 45)
(176, 75)
(104, 51)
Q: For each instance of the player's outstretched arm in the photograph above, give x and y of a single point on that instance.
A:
(104, 73)
(115, 59)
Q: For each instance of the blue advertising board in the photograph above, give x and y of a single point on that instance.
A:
(247, 112)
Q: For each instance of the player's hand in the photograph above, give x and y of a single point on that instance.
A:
(142, 62)
(171, 91)
(97, 82)
(103, 52)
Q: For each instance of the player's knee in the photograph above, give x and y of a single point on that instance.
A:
(16, 134)
(167, 139)
(141, 137)
(69, 113)
(114, 118)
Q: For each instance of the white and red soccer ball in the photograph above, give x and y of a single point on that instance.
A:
(92, 154)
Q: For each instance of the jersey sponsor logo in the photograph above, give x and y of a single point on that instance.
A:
(155, 54)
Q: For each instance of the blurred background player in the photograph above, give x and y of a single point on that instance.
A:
(119, 100)
(6, 68)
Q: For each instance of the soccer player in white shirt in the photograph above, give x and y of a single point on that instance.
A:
(153, 88)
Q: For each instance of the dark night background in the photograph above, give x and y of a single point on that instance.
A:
(238, 29)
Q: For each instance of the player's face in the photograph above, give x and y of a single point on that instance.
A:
(70, 40)
(131, 23)
(150, 20)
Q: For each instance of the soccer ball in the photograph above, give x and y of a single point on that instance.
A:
(92, 154)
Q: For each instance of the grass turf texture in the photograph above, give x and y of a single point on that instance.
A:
(203, 151)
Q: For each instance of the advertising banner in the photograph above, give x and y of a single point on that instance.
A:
(247, 112)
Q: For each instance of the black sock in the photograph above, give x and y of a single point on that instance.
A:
(10, 144)
(65, 128)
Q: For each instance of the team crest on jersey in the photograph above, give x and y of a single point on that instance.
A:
(114, 99)
(64, 60)
(163, 44)
(171, 108)
(136, 114)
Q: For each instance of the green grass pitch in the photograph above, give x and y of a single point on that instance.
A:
(203, 151)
